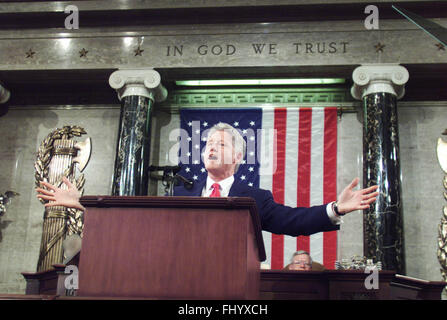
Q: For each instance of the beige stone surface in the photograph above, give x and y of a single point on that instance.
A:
(23, 129)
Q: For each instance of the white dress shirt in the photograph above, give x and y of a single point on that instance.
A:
(225, 186)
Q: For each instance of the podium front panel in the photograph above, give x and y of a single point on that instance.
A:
(165, 253)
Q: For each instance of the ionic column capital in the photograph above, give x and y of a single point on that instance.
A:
(4, 94)
(374, 78)
(138, 82)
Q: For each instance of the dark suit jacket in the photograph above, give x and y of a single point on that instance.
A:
(275, 217)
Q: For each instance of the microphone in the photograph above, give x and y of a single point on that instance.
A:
(187, 183)
(171, 178)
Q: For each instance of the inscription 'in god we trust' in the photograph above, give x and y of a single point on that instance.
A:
(229, 49)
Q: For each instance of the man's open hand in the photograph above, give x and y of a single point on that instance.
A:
(60, 197)
(351, 200)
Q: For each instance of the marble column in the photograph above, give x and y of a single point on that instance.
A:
(138, 90)
(379, 87)
(4, 94)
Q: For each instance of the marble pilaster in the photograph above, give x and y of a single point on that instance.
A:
(380, 86)
(138, 90)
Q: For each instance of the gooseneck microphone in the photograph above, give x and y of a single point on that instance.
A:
(187, 183)
(171, 178)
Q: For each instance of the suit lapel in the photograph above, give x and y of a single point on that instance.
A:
(237, 190)
(196, 191)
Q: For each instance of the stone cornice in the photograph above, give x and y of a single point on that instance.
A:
(203, 50)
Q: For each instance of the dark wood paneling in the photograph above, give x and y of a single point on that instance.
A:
(168, 247)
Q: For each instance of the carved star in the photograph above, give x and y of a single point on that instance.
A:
(440, 46)
(30, 53)
(379, 47)
(138, 51)
(83, 53)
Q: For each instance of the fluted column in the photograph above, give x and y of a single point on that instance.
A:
(4, 94)
(379, 87)
(138, 90)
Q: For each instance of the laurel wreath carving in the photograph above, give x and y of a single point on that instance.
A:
(442, 238)
(44, 154)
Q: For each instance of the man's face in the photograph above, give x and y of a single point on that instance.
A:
(300, 262)
(219, 155)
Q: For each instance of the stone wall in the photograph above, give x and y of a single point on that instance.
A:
(22, 130)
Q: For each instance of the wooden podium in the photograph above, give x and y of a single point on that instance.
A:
(170, 248)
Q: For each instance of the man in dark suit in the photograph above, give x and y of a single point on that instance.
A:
(223, 153)
(275, 217)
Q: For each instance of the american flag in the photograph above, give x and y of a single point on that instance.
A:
(290, 151)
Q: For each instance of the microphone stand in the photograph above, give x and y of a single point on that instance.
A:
(171, 178)
(173, 181)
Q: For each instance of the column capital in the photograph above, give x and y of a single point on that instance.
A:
(373, 78)
(4, 94)
(138, 82)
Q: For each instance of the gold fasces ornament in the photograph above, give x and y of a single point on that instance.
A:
(441, 152)
(442, 244)
(57, 157)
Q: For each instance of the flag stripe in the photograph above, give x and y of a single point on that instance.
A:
(278, 181)
(330, 187)
(303, 189)
(316, 179)
(291, 177)
(266, 158)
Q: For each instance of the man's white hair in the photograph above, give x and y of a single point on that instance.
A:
(301, 252)
(237, 140)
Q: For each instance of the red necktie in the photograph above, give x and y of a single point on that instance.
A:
(216, 190)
